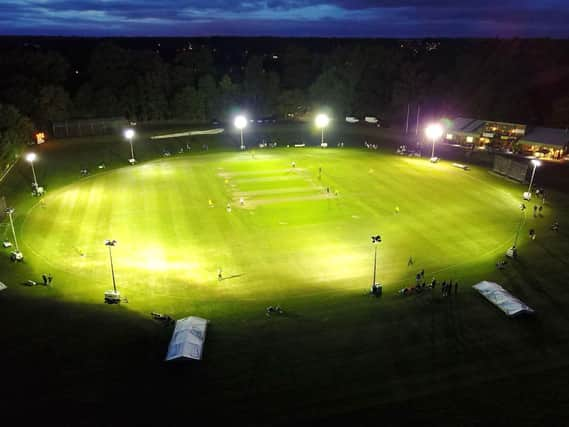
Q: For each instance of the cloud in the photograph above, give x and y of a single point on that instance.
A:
(350, 18)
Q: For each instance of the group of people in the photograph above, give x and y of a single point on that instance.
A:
(370, 146)
(165, 319)
(265, 144)
(421, 285)
(376, 290)
(500, 265)
(537, 209)
(273, 310)
(47, 279)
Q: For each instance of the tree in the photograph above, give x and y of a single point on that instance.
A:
(53, 103)
(228, 96)
(208, 95)
(109, 67)
(332, 91)
(253, 83)
(15, 132)
(291, 103)
(187, 104)
(271, 91)
(300, 67)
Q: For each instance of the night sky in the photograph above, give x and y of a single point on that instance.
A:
(342, 18)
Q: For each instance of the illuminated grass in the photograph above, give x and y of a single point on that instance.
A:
(171, 242)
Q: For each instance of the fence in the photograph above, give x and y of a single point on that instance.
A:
(88, 127)
(507, 166)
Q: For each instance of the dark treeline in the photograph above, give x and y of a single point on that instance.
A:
(50, 79)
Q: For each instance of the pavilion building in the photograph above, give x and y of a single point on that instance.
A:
(542, 142)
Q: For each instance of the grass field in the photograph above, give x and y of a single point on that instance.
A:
(337, 355)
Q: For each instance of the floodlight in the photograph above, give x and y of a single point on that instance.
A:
(322, 120)
(31, 158)
(240, 122)
(110, 242)
(129, 133)
(434, 131)
(376, 239)
(535, 163)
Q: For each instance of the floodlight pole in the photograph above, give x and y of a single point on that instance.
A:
(242, 145)
(110, 244)
(532, 175)
(34, 173)
(322, 139)
(522, 216)
(433, 152)
(10, 211)
(131, 149)
(374, 263)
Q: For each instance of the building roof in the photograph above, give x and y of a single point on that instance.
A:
(467, 126)
(546, 136)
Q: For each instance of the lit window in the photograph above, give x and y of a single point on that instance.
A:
(469, 139)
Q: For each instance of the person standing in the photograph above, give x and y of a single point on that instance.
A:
(49, 278)
(534, 211)
(219, 275)
(410, 262)
(44, 277)
(455, 288)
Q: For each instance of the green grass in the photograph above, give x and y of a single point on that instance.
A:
(337, 355)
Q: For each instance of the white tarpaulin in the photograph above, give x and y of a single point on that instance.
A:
(502, 299)
(2, 286)
(188, 339)
(189, 133)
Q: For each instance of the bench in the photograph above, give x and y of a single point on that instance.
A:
(461, 166)
(299, 145)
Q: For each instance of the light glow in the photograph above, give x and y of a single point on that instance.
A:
(240, 122)
(434, 131)
(129, 134)
(322, 120)
(31, 157)
(536, 163)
